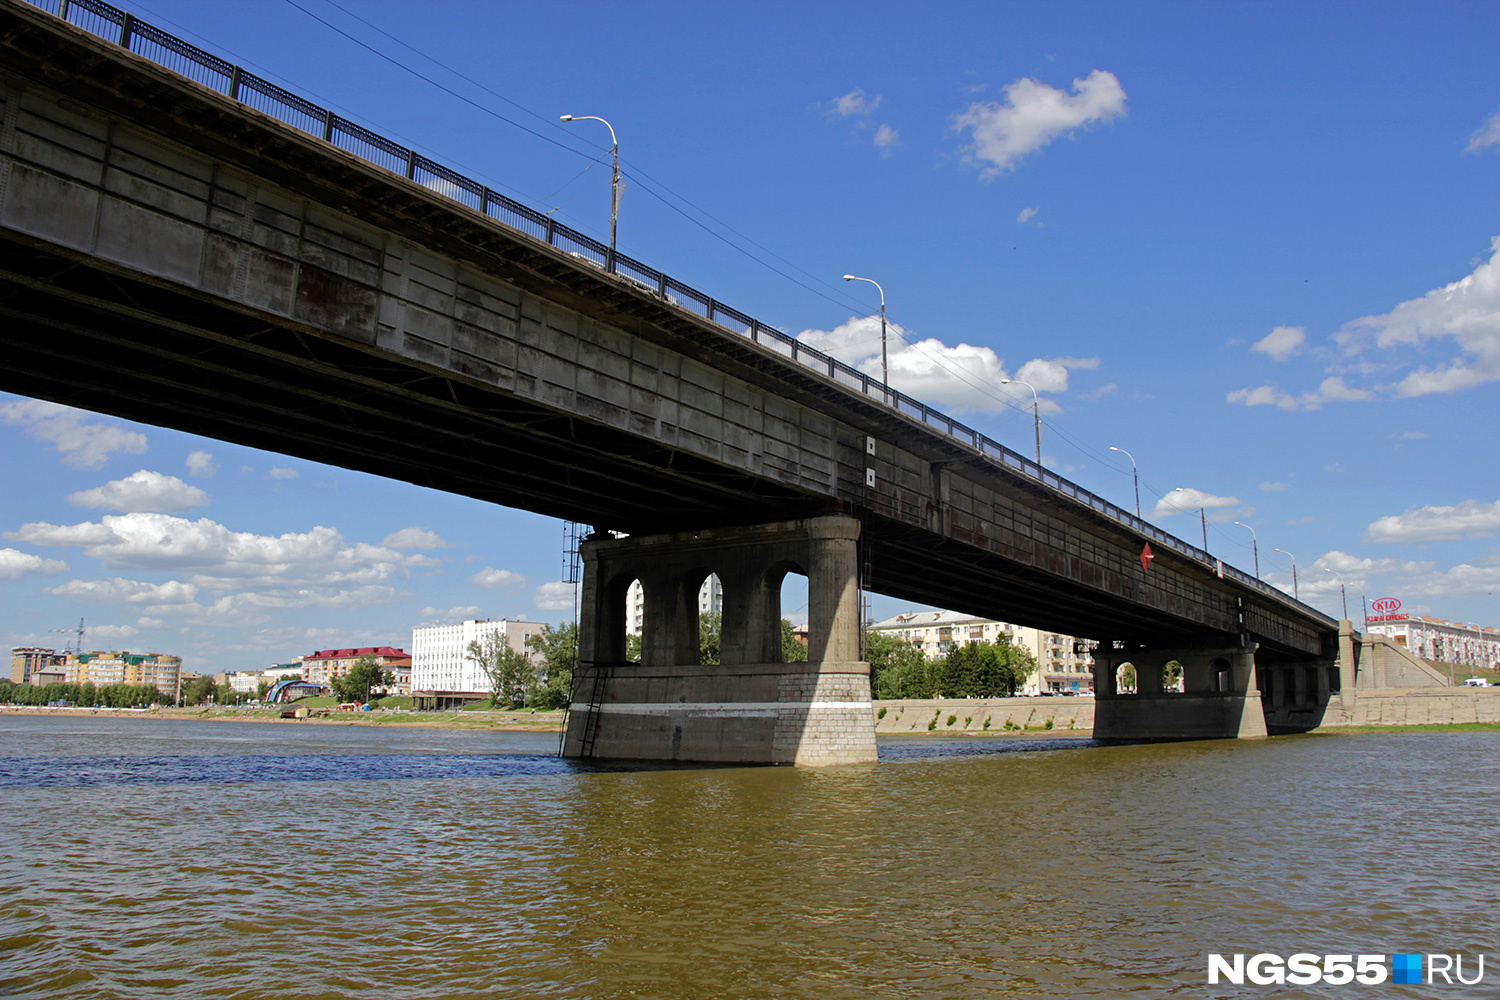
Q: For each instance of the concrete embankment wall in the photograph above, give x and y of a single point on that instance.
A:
(1067, 715)
(1407, 707)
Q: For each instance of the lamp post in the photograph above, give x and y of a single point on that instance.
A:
(1343, 594)
(614, 182)
(1254, 546)
(1036, 414)
(1134, 475)
(1202, 518)
(885, 375)
(1294, 572)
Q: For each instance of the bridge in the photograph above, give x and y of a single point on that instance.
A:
(184, 244)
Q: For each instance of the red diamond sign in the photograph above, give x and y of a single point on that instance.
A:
(1146, 557)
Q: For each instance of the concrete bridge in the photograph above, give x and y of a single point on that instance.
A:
(210, 253)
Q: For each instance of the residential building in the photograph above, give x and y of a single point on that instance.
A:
(326, 664)
(710, 601)
(101, 668)
(443, 674)
(1437, 639)
(1063, 663)
(24, 660)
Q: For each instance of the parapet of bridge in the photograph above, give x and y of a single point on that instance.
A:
(750, 708)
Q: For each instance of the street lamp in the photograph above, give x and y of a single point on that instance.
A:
(1036, 414)
(1343, 594)
(1254, 546)
(614, 182)
(1202, 518)
(885, 375)
(1133, 475)
(1294, 572)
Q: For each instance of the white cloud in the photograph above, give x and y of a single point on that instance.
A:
(488, 577)
(1331, 389)
(414, 538)
(965, 377)
(1467, 312)
(118, 590)
(856, 102)
(556, 596)
(1487, 134)
(82, 445)
(466, 612)
(1034, 114)
(1414, 436)
(142, 491)
(1186, 499)
(1270, 487)
(201, 463)
(885, 138)
(282, 472)
(15, 564)
(1463, 580)
(1027, 214)
(1281, 343)
(315, 568)
(109, 632)
(1470, 519)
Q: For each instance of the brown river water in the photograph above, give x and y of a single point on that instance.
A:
(145, 858)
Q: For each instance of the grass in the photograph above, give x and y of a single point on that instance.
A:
(1414, 727)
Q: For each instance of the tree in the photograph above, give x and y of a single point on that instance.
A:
(356, 683)
(793, 649)
(709, 627)
(198, 690)
(511, 675)
(897, 668)
(558, 650)
(1171, 675)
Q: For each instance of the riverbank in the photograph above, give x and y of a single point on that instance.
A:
(472, 719)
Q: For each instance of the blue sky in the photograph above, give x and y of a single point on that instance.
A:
(1255, 245)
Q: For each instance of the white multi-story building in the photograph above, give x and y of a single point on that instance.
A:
(710, 601)
(443, 674)
(1436, 639)
(1061, 667)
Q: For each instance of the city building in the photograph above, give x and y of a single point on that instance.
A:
(101, 668)
(710, 601)
(25, 660)
(1063, 666)
(1436, 639)
(326, 664)
(442, 672)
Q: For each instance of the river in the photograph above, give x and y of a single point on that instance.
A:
(143, 858)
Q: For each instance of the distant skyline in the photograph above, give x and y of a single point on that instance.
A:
(1256, 246)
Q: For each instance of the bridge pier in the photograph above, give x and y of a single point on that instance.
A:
(1219, 697)
(750, 708)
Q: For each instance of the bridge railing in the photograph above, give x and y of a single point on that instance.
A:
(111, 23)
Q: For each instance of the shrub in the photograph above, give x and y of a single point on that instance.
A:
(880, 714)
(986, 722)
(968, 719)
(952, 719)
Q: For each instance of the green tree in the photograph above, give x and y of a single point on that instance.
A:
(710, 626)
(511, 675)
(793, 649)
(1171, 675)
(198, 690)
(356, 683)
(897, 668)
(558, 650)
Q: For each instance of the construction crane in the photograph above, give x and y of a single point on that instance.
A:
(71, 631)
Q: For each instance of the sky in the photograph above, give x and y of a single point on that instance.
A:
(1254, 245)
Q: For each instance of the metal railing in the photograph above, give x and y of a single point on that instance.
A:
(124, 29)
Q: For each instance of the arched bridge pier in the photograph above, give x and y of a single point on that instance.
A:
(750, 708)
